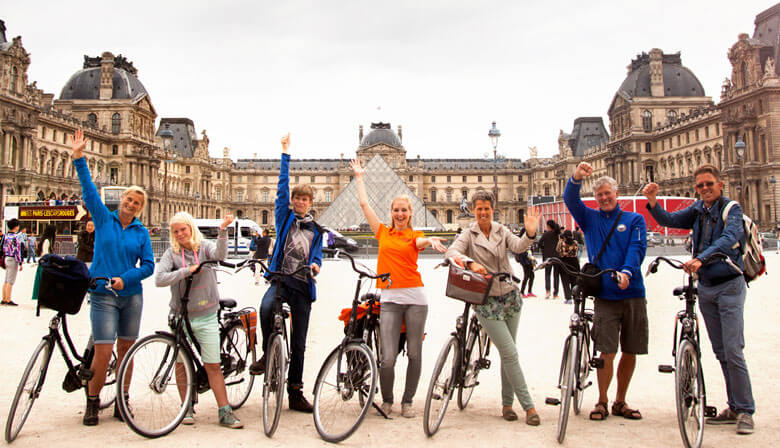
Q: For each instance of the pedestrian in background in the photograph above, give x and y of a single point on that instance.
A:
(12, 244)
(549, 244)
(86, 242)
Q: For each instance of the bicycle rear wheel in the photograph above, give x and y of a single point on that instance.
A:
(237, 355)
(689, 394)
(582, 371)
(441, 386)
(28, 390)
(476, 348)
(567, 385)
(273, 384)
(153, 403)
(108, 392)
(344, 391)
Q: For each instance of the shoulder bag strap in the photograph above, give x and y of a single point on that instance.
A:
(609, 235)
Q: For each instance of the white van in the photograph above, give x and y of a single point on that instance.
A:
(246, 229)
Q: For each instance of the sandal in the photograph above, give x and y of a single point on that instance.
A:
(532, 420)
(621, 408)
(599, 412)
(509, 415)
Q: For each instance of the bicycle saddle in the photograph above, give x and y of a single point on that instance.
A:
(678, 291)
(227, 303)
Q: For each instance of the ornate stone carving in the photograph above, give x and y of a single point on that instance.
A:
(769, 68)
(533, 151)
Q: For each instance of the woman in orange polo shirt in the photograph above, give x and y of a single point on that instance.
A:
(404, 301)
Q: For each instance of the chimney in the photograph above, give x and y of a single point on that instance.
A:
(400, 134)
(656, 73)
(2, 32)
(107, 76)
(360, 135)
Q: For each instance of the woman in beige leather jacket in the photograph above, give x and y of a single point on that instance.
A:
(484, 247)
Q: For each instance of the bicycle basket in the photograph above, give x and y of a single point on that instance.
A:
(466, 285)
(64, 283)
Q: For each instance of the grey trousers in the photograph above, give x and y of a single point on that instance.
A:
(390, 318)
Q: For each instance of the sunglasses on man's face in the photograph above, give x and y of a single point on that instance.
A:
(705, 184)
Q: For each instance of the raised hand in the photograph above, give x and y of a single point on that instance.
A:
(226, 222)
(650, 191)
(286, 143)
(583, 170)
(78, 143)
(358, 170)
(436, 243)
(531, 221)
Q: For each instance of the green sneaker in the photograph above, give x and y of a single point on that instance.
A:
(189, 417)
(228, 418)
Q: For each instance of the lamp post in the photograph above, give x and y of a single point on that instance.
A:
(494, 133)
(774, 203)
(739, 146)
(167, 137)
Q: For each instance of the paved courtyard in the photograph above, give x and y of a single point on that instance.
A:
(55, 419)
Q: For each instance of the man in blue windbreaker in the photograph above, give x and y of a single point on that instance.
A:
(620, 310)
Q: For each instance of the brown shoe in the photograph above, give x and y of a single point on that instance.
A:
(298, 402)
(257, 367)
(509, 415)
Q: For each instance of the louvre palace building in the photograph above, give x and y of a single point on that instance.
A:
(662, 125)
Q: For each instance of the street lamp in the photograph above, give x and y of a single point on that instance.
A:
(774, 203)
(167, 138)
(739, 146)
(494, 133)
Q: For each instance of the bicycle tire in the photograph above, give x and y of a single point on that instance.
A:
(567, 385)
(28, 390)
(160, 391)
(440, 388)
(273, 384)
(689, 394)
(108, 392)
(237, 355)
(376, 350)
(466, 388)
(345, 377)
(583, 371)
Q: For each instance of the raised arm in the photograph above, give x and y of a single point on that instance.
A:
(219, 251)
(359, 171)
(89, 192)
(681, 219)
(571, 195)
(531, 220)
(283, 185)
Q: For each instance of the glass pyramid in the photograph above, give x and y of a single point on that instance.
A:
(382, 185)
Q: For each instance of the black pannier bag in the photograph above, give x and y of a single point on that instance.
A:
(64, 283)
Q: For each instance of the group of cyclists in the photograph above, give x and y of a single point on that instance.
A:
(614, 239)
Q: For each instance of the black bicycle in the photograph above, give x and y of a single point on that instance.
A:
(579, 352)
(690, 394)
(347, 381)
(165, 376)
(77, 376)
(460, 360)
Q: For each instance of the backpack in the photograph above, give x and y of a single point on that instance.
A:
(2, 252)
(752, 251)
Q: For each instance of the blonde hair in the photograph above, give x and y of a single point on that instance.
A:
(187, 219)
(139, 190)
(408, 200)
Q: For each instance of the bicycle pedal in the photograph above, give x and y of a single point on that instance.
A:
(484, 363)
(590, 383)
(665, 368)
(552, 401)
(85, 374)
(597, 363)
(710, 411)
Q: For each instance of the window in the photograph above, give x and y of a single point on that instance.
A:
(696, 135)
(433, 178)
(14, 78)
(649, 174)
(520, 178)
(433, 195)
(648, 147)
(114, 176)
(265, 217)
(328, 196)
(116, 123)
(671, 115)
(53, 135)
(464, 179)
(479, 178)
(464, 193)
(687, 138)
(434, 213)
(744, 74)
(706, 132)
(411, 178)
(546, 174)
(64, 138)
(92, 119)
(114, 150)
(43, 133)
(217, 213)
(449, 178)
(219, 175)
(187, 188)
(449, 216)
(546, 190)
(218, 194)
(264, 195)
(717, 128)
(679, 141)
(449, 195)
(312, 179)
(647, 120)
(240, 195)
(187, 169)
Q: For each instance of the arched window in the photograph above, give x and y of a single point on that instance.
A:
(745, 78)
(92, 119)
(265, 217)
(647, 120)
(116, 123)
(449, 216)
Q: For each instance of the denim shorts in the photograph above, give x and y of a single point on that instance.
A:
(115, 316)
(206, 331)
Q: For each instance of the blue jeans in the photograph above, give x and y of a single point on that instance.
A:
(115, 316)
(723, 307)
(300, 309)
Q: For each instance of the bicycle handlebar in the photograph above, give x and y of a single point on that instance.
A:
(208, 262)
(500, 276)
(577, 274)
(93, 284)
(250, 261)
(336, 252)
(677, 264)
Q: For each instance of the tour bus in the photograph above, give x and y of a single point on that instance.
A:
(246, 229)
(112, 196)
(67, 216)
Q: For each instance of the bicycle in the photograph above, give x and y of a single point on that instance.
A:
(77, 376)
(277, 353)
(459, 364)
(347, 381)
(690, 394)
(167, 376)
(577, 361)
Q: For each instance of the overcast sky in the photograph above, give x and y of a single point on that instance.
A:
(248, 72)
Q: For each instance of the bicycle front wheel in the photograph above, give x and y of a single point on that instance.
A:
(237, 355)
(567, 385)
(273, 385)
(344, 391)
(583, 371)
(441, 386)
(156, 383)
(689, 394)
(476, 348)
(28, 390)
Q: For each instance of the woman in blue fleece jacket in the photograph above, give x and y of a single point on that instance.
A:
(123, 253)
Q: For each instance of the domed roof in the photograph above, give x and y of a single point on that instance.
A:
(678, 80)
(85, 83)
(381, 133)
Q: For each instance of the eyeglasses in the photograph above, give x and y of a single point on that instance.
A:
(704, 184)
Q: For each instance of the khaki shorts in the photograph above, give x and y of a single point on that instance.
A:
(621, 320)
(11, 268)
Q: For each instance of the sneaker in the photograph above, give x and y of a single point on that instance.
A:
(744, 423)
(298, 402)
(547, 295)
(10, 303)
(189, 417)
(387, 408)
(407, 411)
(228, 419)
(525, 296)
(530, 294)
(555, 297)
(91, 413)
(726, 417)
(258, 367)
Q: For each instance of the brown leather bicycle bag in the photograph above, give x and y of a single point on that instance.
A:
(467, 286)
